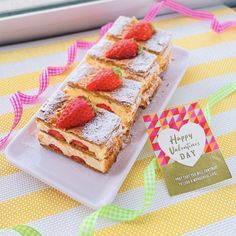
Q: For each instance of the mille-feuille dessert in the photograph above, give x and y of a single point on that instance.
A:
(156, 41)
(70, 126)
(89, 119)
(115, 94)
(135, 63)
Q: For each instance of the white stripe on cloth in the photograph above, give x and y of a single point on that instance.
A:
(224, 227)
(9, 233)
(35, 64)
(213, 53)
(18, 184)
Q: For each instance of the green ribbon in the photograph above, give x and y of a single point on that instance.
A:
(26, 230)
(122, 214)
(218, 96)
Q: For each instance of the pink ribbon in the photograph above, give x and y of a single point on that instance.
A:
(196, 14)
(19, 99)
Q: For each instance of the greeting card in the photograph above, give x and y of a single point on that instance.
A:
(186, 149)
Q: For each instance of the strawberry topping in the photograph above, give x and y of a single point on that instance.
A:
(141, 31)
(104, 106)
(123, 49)
(105, 80)
(55, 148)
(76, 113)
(56, 134)
(78, 144)
(78, 159)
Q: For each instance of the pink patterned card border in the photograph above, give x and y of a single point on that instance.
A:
(175, 118)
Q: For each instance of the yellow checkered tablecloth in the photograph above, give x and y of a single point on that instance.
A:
(208, 211)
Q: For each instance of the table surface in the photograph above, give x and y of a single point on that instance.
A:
(207, 211)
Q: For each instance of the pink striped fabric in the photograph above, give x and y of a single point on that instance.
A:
(19, 99)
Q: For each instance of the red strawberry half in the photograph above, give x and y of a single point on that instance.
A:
(77, 143)
(141, 31)
(78, 159)
(105, 80)
(104, 106)
(55, 148)
(56, 134)
(76, 113)
(123, 49)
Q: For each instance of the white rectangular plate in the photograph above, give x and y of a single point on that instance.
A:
(83, 184)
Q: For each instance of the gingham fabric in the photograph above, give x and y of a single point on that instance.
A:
(25, 200)
(25, 230)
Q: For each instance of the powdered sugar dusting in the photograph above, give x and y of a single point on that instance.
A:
(99, 130)
(48, 110)
(142, 63)
(119, 26)
(83, 70)
(99, 49)
(159, 41)
(128, 93)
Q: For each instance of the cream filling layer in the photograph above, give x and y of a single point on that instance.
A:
(127, 114)
(148, 94)
(99, 151)
(164, 59)
(69, 151)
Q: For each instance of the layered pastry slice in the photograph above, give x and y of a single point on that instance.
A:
(70, 126)
(135, 63)
(107, 89)
(156, 41)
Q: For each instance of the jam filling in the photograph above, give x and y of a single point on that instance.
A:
(78, 144)
(105, 107)
(55, 148)
(78, 159)
(56, 134)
